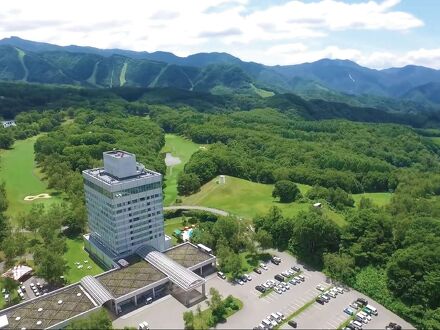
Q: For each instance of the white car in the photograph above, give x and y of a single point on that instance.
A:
(340, 290)
(331, 294)
(144, 326)
(249, 278)
(263, 266)
(280, 315)
(320, 288)
(301, 277)
(238, 281)
(278, 290)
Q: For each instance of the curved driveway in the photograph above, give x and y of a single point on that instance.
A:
(199, 208)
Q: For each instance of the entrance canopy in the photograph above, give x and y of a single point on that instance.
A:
(179, 275)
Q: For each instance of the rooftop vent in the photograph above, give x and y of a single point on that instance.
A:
(40, 309)
(60, 302)
(78, 294)
(39, 322)
(18, 318)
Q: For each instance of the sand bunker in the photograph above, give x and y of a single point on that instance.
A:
(31, 198)
(170, 160)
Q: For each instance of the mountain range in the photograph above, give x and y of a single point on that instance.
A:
(412, 88)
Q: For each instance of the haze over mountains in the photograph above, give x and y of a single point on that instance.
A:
(219, 73)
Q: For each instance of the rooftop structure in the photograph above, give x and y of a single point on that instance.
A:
(178, 274)
(52, 309)
(187, 255)
(133, 277)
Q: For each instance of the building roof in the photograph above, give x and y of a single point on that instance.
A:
(187, 255)
(178, 274)
(48, 309)
(125, 280)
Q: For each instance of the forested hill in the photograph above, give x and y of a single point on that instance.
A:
(396, 89)
(19, 97)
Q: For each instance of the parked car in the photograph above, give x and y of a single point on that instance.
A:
(362, 301)
(280, 315)
(340, 290)
(274, 261)
(278, 277)
(260, 288)
(282, 288)
(286, 285)
(393, 326)
(144, 326)
(296, 268)
(348, 311)
(325, 297)
(248, 277)
(372, 309)
(355, 305)
(149, 300)
(292, 281)
(330, 293)
(358, 324)
(290, 272)
(285, 273)
(301, 277)
(257, 270)
(263, 266)
(277, 290)
(320, 287)
(239, 281)
(292, 323)
(221, 275)
(243, 278)
(363, 314)
(320, 300)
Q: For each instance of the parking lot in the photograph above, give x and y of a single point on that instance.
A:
(167, 312)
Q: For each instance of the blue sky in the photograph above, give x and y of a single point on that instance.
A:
(374, 33)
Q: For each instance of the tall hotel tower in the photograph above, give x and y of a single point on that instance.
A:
(124, 205)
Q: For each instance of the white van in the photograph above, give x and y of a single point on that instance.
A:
(372, 309)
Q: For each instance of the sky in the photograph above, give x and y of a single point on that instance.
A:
(374, 33)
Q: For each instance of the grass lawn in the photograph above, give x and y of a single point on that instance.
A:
(436, 140)
(178, 147)
(171, 225)
(248, 199)
(380, 199)
(22, 178)
(76, 253)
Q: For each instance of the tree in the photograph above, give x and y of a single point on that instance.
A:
(97, 320)
(217, 306)
(50, 265)
(188, 319)
(339, 266)
(3, 198)
(286, 190)
(6, 141)
(264, 239)
(187, 183)
(313, 235)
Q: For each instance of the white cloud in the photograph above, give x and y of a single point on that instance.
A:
(278, 34)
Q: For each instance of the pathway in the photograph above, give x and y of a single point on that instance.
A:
(200, 208)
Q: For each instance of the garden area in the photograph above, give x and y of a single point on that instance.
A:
(219, 310)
